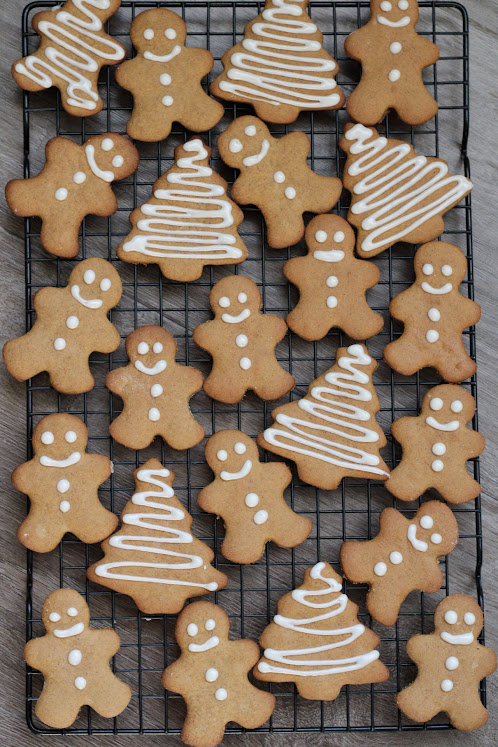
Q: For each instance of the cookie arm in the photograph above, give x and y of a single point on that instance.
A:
(485, 661)
(99, 466)
(35, 652)
(400, 306)
(402, 427)
(125, 74)
(471, 312)
(276, 327)
(192, 379)
(23, 477)
(475, 442)
(416, 648)
(246, 650)
(202, 59)
(109, 339)
(243, 189)
(116, 380)
(297, 145)
(107, 642)
(279, 474)
(428, 51)
(202, 334)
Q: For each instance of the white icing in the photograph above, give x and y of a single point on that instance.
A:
(451, 426)
(241, 341)
(170, 33)
(211, 674)
(469, 618)
(244, 314)
(163, 57)
(192, 629)
(321, 667)
(154, 414)
(206, 646)
(405, 21)
(399, 188)
(452, 663)
(250, 130)
(76, 35)
(79, 177)
(451, 617)
(333, 255)
(157, 348)
(54, 617)
(70, 437)
(243, 472)
(396, 47)
(396, 558)
(165, 79)
(89, 276)
(167, 100)
(235, 146)
(210, 624)
(338, 237)
(222, 455)
(61, 193)
(107, 144)
(69, 632)
(74, 657)
(279, 177)
(428, 269)
(437, 465)
(465, 639)
(436, 538)
(148, 34)
(321, 236)
(64, 506)
(242, 297)
(142, 348)
(221, 694)
(105, 283)
(394, 75)
(59, 343)
(290, 193)
(446, 686)
(380, 569)
(245, 363)
(106, 176)
(447, 270)
(439, 449)
(224, 302)
(253, 160)
(80, 683)
(240, 448)
(426, 522)
(332, 281)
(313, 439)
(72, 322)
(419, 545)
(456, 406)
(260, 517)
(153, 544)
(63, 486)
(73, 458)
(434, 315)
(47, 438)
(157, 368)
(117, 161)
(436, 291)
(251, 500)
(331, 302)
(156, 390)
(92, 303)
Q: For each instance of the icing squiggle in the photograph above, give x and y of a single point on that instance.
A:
(396, 188)
(178, 232)
(333, 608)
(274, 68)
(155, 522)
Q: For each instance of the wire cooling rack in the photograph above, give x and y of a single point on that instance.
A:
(351, 511)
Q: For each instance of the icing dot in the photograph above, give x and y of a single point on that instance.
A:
(250, 130)
(338, 237)
(142, 348)
(321, 236)
(451, 663)
(118, 161)
(380, 569)
(74, 657)
(439, 449)
(192, 629)
(432, 335)
(394, 75)
(59, 343)
(427, 269)
(72, 322)
(211, 675)
(437, 465)
(89, 276)
(395, 47)
(149, 34)
(61, 194)
(332, 281)
(446, 686)
(156, 390)
(63, 486)
(396, 558)
(222, 455)
(426, 522)
(80, 683)
(245, 363)
(157, 347)
(64, 506)
(167, 100)
(47, 438)
(290, 193)
(79, 177)
(240, 448)
(446, 270)
(70, 437)
(72, 611)
(436, 538)
(469, 618)
(107, 144)
(251, 500)
(403, 4)
(105, 284)
(279, 177)
(224, 302)
(436, 403)
(154, 414)
(210, 624)
(451, 617)
(434, 315)
(260, 517)
(386, 6)
(241, 341)
(235, 146)
(221, 694)
(170, 34)
(242, 298)
(54, 617)
(456, 406)
(331, 302)
(165, 79)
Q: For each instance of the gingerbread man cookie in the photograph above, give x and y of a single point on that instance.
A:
(62, 483)
(75, 182)
(434, 314)
(332, 283)
(396, 195)
(275, 176)
(248, 495)
(74, 661)
(72, 51)
(242, 341)
(402, 557)
(155, 391)
(392, 56)
(211, 676)
(284, 76)
(188, 222)
(71, 323)
(451, 663)
(165, 78)
(436, 445)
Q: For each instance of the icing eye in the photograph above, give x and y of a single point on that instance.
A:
(107, 144)
(403, 4)
(54, 617)
(456, 406)
(469, 618)
(157, 347)
(426, 522)
(210, 624)
(105, 284)
(149, 34)
(250, 130)
(235, 146)
(427, 269)
(321, 236)
(142, 348)
(224, 302)
(242, 297)
(70, 437)
(386, 6)
(436, 538)
(436, 403)
(72, 612)
(89, 276)
(222, 455)
(446, 270)
(192, 629)
(239, 448)
(47, 438)
(338, 237)
(451, 617)
(118, 161)
(170, 34)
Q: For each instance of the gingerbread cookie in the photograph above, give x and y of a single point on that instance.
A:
(275, 176)
(73, 49)
(154, 557)
(392, 56)
(242, 341)
(327, 435)
(434, 314)
(211, 676)
(451, 663)
(165, 78)
(305, 644)
(397, 195)
(401, 558)
(332, 283)
(155, 391)
(249, 497)
(71, 323)
(75, 182)
(284, 76)
(62, 483)
(74, 660)
(436, 445)
(188, 222)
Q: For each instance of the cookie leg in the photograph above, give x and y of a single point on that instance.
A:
(255, 709)
(418, 702)
(22, 356)
(418, 108)
(112, 696)
(284, 228)
(404, 355)
(405, 481)
(456, 368)
(465, 489)
(209, 109)
(142, 126)
(383, 605)
(39, 530)
(184, 431)
(305, 325)
(194, 729)
(94, 524)
(365, 105)
(275, 383)
(59, 235)
(472, 717)
(53, 708)
(292, 530)
(362, 322)
(219, 387)
(74, 379)
(124, 431)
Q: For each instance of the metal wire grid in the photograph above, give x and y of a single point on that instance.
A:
(352, 510)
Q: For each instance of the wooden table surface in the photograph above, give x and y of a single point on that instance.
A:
(484, 157)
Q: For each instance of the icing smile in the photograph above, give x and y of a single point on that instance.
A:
(437, 291)
(68, 632)
(412, 536)
(459, 640)
(210, 643)
(243, 472)
(451, 426)
(92, 303)
(162, 57)
(253, 160)
(74, 458)
(236, 319)
(160, 366)
(394, 24)
(106, 176)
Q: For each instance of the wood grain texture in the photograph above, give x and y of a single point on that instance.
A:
(483, 152)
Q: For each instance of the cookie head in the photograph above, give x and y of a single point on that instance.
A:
(234, 298)
(458, 619)
(201, 626)
(65, 613)
(329, 235)
(434, 529)
(157, 34)
(448, 407)
(95, 284)
(440, 268)
(56, 438)
(231, 454)
(397, 14)
(150, 349)
(245, 142)
(111, 157)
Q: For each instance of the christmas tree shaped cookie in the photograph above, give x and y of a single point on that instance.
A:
(332, 433)
(280, 67)
(188, 222)
(317, 641)
(396, 194)
(154, 558)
